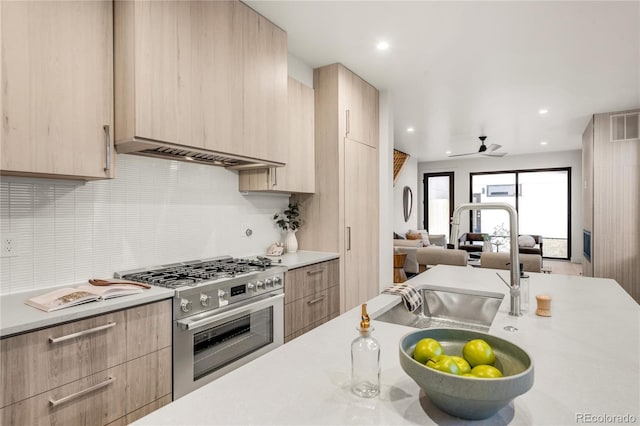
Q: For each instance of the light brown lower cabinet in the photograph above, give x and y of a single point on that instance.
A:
(141, 412)
(112, 368)
(312, 297)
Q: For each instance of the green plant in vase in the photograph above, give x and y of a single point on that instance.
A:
(290, 221)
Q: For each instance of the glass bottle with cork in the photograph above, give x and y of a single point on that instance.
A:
(365, 360)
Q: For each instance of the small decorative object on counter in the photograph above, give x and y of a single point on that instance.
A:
(290, 221)
(544, 305)
(524, 290)
(276, 249)
(365, 360)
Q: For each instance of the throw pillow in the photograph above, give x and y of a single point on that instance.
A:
(526, 241)
(397, 236)
(414, 236)
(423, 235)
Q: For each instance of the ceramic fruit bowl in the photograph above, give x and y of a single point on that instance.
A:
(468, 397)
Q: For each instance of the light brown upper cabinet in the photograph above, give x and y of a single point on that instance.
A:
(57, 83)
(265, 87)
(205, 74)
(298, 176)
(361, 109)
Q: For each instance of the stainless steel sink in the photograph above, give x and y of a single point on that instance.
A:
(467, 309)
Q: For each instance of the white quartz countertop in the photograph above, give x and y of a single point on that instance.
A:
(586, 359)
(302, 258)
(16, 317)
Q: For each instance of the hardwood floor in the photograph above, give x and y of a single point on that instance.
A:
(563, 267)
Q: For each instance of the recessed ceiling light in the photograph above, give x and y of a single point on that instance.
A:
(410, 129)
(382, 45)
(543, 111)
(447, 152)
(543, 142)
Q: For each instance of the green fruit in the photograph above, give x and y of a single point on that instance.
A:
(486, 372)
(462, 364)
(469, 375)
(425, 349)
(444, 363)
(478, 352)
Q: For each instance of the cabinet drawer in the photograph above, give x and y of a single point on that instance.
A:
(148, 328)
(148, 379)
(333, 304)
(35, 362)
(141, 412)
(305, 281)
(304, 312)
(94, 400)
(302, 331)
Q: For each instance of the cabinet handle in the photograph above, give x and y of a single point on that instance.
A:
(348, 123)
(56, 402)
(314, 301)
(348, 238)
(274, 175)
(81, 333)
(314, 272)
(107, 142)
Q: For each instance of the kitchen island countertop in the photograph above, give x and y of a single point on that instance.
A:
(586, 359)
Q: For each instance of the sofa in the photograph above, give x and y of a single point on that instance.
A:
(431, 256)
(419, 257)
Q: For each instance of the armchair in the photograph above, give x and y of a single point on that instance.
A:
(530, 244)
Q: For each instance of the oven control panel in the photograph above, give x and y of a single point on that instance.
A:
(205, 297)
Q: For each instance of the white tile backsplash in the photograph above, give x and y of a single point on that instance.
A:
(154, 212)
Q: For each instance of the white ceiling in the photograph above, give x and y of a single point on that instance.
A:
(455, 70)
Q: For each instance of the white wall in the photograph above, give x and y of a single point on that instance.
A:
(407, 178)
(154, 212)
(299, 70)
(462, 169)
(385, 150)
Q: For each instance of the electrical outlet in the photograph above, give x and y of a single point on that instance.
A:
(9, 245)
(245, 230)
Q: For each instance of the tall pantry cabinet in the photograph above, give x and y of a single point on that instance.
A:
(342, 216)
(57, 89)
(611, 200)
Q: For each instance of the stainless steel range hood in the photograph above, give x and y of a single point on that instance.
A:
(171, 151)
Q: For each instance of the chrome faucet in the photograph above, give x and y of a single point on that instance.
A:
(514, 287)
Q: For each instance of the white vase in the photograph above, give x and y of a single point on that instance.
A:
(291, 242)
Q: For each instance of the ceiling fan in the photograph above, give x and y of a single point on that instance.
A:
(489, 151)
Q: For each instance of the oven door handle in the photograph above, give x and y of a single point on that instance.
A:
(188, 324)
